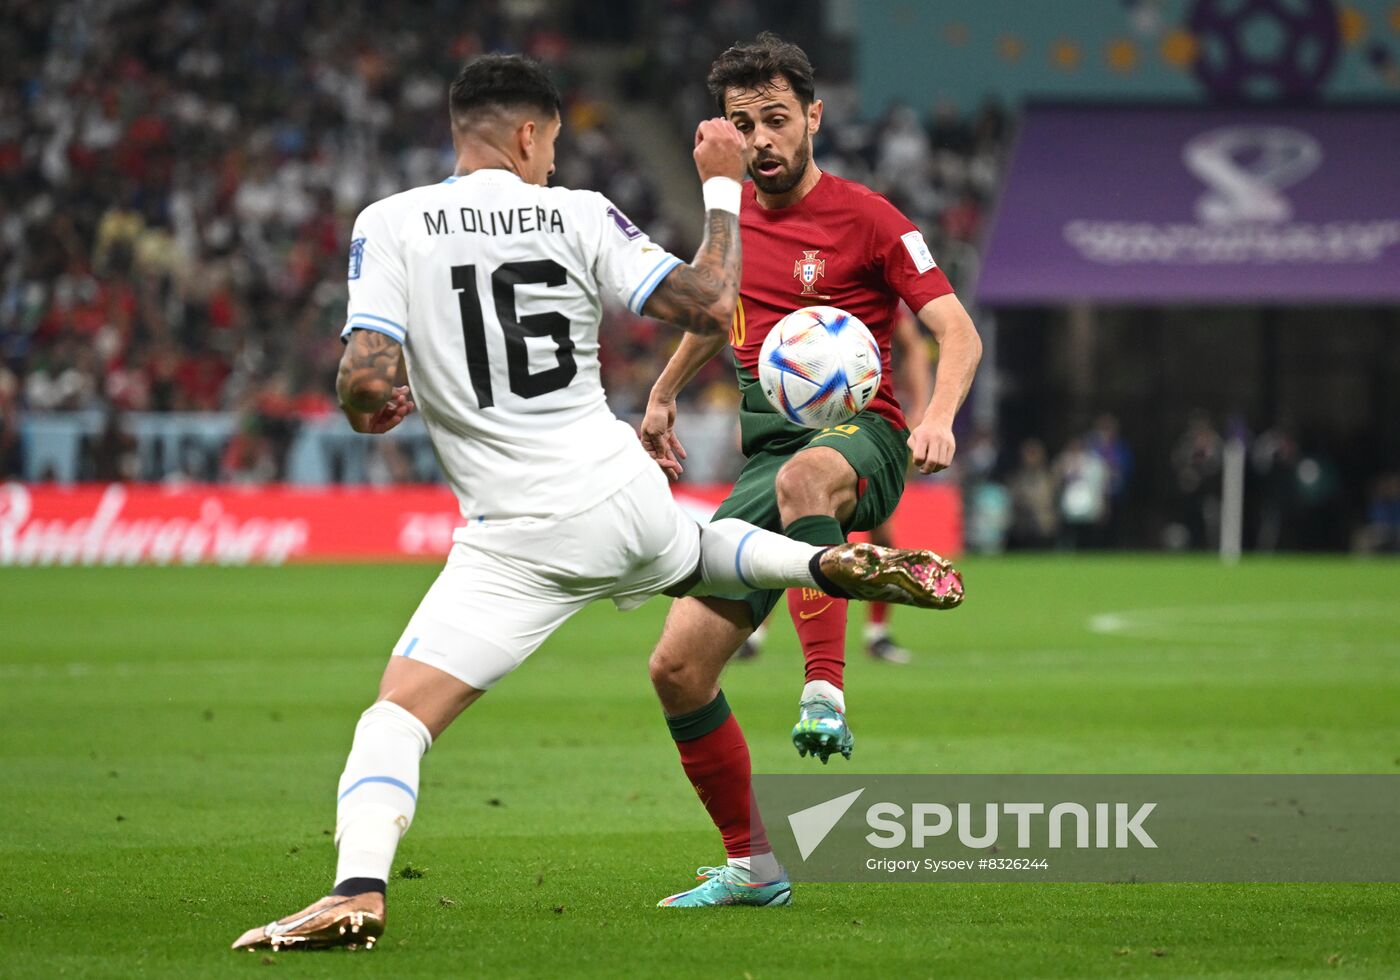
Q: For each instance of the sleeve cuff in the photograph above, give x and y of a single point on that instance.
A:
(366, 321)
(649, 282)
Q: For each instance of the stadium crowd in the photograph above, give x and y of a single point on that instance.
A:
(178, 180)
(1087, 495)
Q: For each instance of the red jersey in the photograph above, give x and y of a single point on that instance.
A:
(842, 245)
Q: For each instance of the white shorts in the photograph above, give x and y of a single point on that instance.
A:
(509, 584)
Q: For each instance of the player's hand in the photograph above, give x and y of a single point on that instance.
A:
(392, 412)
(933, 447)
(719, 150)
(658, 435)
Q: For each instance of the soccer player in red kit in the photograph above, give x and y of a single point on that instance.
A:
(808, 239)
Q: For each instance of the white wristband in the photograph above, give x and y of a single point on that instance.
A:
(722, 194)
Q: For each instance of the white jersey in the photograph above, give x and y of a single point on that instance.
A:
(494, 288)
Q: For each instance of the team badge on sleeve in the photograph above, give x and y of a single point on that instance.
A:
(917, 248)
(357, 258)
(624, 224)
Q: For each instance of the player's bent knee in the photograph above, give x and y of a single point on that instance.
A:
(815, 481)
(812, 471)
(668, 679)
(791, 482)
(667, 669)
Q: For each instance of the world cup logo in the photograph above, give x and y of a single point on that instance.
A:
(1247, 168)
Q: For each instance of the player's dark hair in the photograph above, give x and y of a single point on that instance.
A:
(754, 65)
(495, 82)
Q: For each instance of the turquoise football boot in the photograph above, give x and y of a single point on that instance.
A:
(726, 886)
(822, 730)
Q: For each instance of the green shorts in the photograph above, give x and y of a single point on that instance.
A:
(876, 450)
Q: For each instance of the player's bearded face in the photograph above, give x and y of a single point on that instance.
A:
(778, 130)
(775, 174)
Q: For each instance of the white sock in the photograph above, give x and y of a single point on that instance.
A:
(758, 868)
(876, 631)
(378, 790)
(825, 689)
(735, 556)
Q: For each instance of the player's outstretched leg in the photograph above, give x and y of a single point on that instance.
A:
(376, 800)
(699, 638)
(735, 556)
(906, 577)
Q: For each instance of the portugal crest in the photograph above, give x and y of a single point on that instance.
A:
(807, 270)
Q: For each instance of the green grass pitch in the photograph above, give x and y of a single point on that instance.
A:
(172, 739)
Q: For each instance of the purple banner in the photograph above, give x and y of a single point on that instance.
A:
(1168, 205)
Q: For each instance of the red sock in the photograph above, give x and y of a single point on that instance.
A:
(878, 613)
(821, 626)
(719, 769)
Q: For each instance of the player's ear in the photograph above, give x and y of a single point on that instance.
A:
(525, 138)
(814, 116)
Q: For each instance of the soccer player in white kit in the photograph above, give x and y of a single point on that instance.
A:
(487, 290)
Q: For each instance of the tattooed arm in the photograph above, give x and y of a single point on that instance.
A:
(368, 383)
(700, 297)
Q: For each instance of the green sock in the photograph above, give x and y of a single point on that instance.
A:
(701, 721)
(815, 529)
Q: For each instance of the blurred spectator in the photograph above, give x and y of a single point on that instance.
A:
(1381, 532)
(986, 503)
(1319, 519)
(248, 457)
(1106, 442)
(1034, 521)
(989, 515)
(11, 460)
(1083, 479)
(1196, 462)
(386, 462)
(112, 454)
(978, 456)
(63, 379)
(1274, 461)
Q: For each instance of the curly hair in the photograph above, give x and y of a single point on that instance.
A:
(754, 65)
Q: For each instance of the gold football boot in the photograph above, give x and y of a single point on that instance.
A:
(336, 920)
(898, 575)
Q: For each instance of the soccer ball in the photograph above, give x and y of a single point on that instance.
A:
(819, 366)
